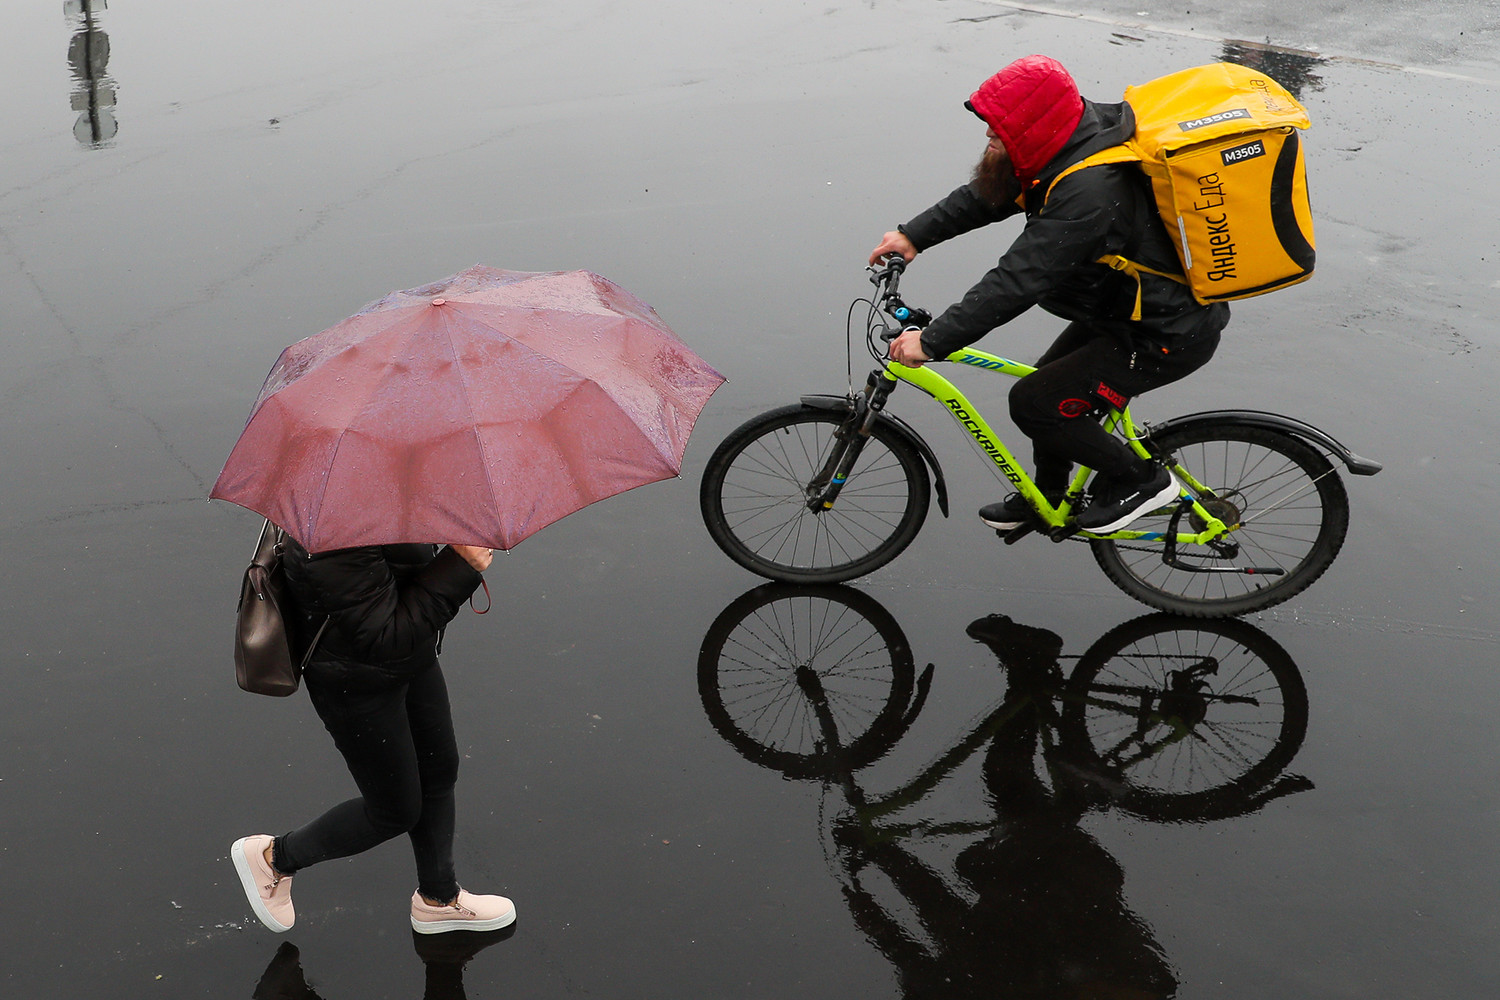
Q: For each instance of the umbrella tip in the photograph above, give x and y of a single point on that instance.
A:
(439, 301)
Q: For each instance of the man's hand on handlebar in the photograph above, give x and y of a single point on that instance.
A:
(894, 242)
(907, 349)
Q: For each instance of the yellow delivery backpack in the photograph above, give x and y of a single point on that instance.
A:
(1220, 145)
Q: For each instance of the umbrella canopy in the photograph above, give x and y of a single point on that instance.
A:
(475, 410)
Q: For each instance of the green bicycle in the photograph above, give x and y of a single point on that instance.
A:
(834, 487)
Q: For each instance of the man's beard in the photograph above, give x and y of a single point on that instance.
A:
(995, 179)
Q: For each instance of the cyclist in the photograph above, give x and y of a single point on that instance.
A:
(1038, 125)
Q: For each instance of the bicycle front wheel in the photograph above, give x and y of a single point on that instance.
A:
(757, 484)
(811, 681)
(1286, 507)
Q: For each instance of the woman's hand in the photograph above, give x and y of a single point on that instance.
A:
(894, 242)
(475, 556)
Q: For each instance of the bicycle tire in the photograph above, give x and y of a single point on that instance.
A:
(1293, 513)
(754, 498)
(1220, 765)
(747, 678)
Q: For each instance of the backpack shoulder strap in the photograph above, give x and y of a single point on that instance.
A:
(1124, 153)
(1114, 154)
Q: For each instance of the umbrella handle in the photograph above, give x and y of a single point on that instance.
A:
(489, 602)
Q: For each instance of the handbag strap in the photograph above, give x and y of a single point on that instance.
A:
(278, 550)
(267, 546)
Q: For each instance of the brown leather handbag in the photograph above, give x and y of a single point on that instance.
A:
(269, 653)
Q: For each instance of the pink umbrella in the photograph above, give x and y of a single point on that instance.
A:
(475, 410)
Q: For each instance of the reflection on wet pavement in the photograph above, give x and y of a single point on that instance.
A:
(1173, 720)
(93, 88)
(443, 959)
(731, 164)
(1292, 69)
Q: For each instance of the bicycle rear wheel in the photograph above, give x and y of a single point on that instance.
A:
(757, 483)
(1284, 502)
(1186, 720)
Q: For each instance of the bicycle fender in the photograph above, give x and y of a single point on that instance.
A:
(1276, 422)
(903, 429)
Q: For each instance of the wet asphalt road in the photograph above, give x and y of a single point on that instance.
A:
(272, 167)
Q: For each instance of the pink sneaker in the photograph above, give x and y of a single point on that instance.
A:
(468, 913)
(270, 894)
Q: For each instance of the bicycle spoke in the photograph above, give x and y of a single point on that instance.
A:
(800, 674)
(1233, 700)
(1285, 508)
(764, 498)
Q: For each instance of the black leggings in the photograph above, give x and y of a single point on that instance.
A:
(398, 742)
(1085, 370)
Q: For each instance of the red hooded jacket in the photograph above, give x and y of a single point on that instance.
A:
(1033, 105)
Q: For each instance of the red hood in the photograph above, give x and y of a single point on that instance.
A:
(1033, 105)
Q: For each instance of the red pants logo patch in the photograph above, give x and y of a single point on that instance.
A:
(1110, 396)
(1074, 407)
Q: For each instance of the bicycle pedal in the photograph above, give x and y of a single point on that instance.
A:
(1015, 534)
(1064, 532)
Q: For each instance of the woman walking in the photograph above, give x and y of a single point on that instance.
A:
(375, 682)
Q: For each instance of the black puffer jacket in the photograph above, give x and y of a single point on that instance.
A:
(387, 606)
(1053, 263)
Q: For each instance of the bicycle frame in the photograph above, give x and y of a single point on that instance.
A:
(967, 416)
(835, 487)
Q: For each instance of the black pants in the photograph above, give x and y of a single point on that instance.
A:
(1085, 370)
(397, 739)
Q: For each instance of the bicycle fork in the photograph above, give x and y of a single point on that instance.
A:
(849, 442)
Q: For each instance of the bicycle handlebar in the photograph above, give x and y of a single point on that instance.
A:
(887, 279)
(889, 271)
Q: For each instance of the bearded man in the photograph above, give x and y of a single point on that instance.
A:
(1038, 125)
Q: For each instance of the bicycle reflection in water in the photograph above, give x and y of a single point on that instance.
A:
(1167, 718)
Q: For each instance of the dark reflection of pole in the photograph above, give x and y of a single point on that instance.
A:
(1292, 68)
(93, 91)
(1170, 719)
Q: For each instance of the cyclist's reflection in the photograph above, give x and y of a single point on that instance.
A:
(443, 957)
(1035, 907)
(1167, 718)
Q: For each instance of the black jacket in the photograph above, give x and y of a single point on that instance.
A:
(387, 605)
(1053, 263)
